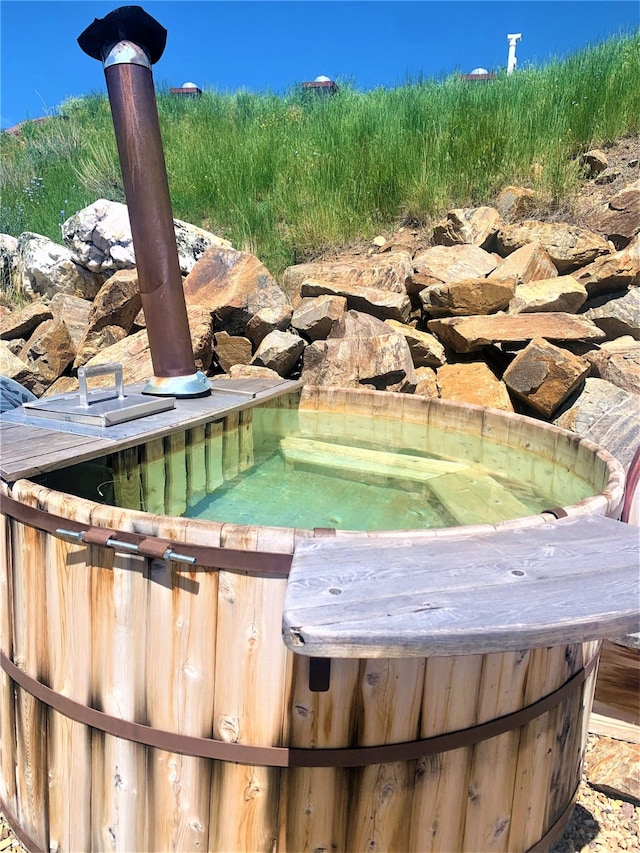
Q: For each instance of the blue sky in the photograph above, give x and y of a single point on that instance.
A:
(272, 45)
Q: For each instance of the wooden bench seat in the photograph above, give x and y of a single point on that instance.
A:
(564, 581)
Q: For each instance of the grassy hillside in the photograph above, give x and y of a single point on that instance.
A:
(287, 177)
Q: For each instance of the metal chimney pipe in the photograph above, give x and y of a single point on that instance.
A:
(128, 41)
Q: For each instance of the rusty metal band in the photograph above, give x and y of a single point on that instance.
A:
(275, 756)
(555, 832)
(254, 562)
(18, 831)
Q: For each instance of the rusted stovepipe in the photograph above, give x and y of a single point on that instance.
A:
(128, 41)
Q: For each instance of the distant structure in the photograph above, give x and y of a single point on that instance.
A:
(513, 39)
(478, 74)
(186, 89)
(322, 85)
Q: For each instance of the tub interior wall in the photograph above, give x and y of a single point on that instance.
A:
(170, 475)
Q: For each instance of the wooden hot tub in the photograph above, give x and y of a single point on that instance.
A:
(436, 691)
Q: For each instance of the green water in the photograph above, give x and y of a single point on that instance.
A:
(275, 491)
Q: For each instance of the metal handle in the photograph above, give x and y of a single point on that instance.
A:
(100, 370)
(117, 545)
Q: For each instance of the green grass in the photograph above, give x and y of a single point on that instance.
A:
(288, 177)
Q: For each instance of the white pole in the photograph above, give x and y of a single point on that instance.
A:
(513, 39)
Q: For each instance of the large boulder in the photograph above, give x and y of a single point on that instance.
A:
(476, 226)
(230, 350)
(543, 376)
(465, 334)
(446, 264)
(388, 272)
(426, 349)
(469, 296)
(473, 382)
(46, 268)
(617, 314)
(612, 272)
(74, 313)
(561, 293)
(314, 317)
(8, 264)
(607, 415)
(21, 322)
(528, 263)
(279, 351)
(268, 320)
(516, 202)
(621, 221)
(569, 247)
(233, 286)
(49, 350)
(618, 362)
(115, 307)
(24, 374)
(360, 351)
(383, 304)
(100, 238)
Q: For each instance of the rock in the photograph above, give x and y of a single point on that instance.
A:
(97, 340)
(383, 304)
(529, 263)
(473, 382)
(14, 368)
(117, 302)
(268, 320)
(469, 296)
(115, 307)
(249, 371)
(74, 313)
(361, 351)
(233, 286)
(231, 349)
(613, 767)
(21, 322)
(15, 345)
(476, 226)
(595, 161)
(426, 349)
(314, 317)
(279, 351)
(192, 242)
(621, 222)
(426, 384)
(388, 272)
(446, 264)
(49, 350)
(616, 314)
(8, 264)
(25, 374)
(100, 238)
(46, 268)
(465, 334)
(612, 272)
(516, 202)
(607, 415)
(569, 247)
(132, 353)
(562, 293)
(201, 332)
(618, 362)
(544, 376)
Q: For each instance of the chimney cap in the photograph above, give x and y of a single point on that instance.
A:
(127, 23)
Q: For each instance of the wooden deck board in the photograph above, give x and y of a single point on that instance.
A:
(34, 445)
(569, 580)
